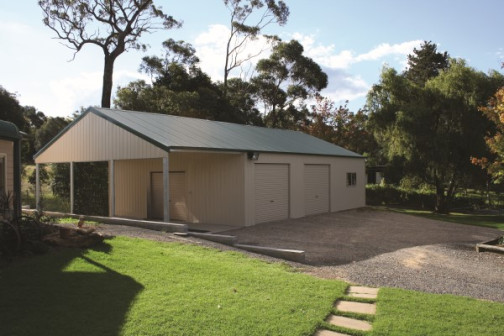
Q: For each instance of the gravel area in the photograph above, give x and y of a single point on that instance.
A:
(440, 269)
(374, 248)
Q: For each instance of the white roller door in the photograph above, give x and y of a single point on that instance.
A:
(178, 206)
(316, 189)
(271, 192)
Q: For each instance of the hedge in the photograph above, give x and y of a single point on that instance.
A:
(391, 195)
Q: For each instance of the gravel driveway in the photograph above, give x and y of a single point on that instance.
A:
(375, 248)
(387, 249)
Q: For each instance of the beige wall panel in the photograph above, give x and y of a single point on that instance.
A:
(7, 148)
(132, 183)
(345, 197)
(341, 196)
(214, 184)
(94, 138)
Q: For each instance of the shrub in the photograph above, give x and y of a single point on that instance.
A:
(423, 199)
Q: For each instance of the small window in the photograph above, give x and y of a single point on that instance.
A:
(351, 179)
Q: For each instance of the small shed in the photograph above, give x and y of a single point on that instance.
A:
(199, 171)
(10, 166)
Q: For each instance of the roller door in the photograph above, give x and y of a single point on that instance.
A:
(316, 189)
(271, 192)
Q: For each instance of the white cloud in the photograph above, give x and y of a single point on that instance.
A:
(326, 54)
(386, 49)
(211, 49)
(68, 94)
(344, 86)
(344, 83)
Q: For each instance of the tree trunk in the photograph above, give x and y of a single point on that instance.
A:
(440, 206)
(440, 202)
(108, 72)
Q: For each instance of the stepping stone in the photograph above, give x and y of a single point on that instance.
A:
(322, 332)
(349, 323)
(363, 292)
(355, 307)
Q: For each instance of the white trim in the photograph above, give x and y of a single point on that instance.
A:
(166, 188)
(37, 187)
(111, 171)
(72, 188)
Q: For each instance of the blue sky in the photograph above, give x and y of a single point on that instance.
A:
(351, 40)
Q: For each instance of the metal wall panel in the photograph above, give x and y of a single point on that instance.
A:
(214, 186)
(341, 197)
(271, 192)
(316, 189)
(95, 139)
(178, 196)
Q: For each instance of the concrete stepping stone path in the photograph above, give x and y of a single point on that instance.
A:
(356, 307)
(352, 307)
(362, 292)
(323, 332)
(349, 323)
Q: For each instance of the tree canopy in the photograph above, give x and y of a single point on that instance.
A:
(284, 81)
(432, 130)
(426, 63)
(494, 111)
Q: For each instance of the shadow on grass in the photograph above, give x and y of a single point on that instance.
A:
(64, 293)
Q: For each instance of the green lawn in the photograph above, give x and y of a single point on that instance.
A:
(493, 221)
(139, 287)
(402, 312)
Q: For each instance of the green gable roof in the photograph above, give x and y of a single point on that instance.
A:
(173, 132)
(9, 131)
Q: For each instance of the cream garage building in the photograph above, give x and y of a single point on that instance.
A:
(200, 171)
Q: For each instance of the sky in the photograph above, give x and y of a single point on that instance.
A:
(352, 40)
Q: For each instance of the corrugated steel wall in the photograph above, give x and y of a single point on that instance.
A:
(215, 186)
(94, 139)
(342, 197)
(7, 148)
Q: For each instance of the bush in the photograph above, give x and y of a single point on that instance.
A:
(424, 199)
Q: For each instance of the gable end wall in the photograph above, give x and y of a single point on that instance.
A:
(94, 138)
